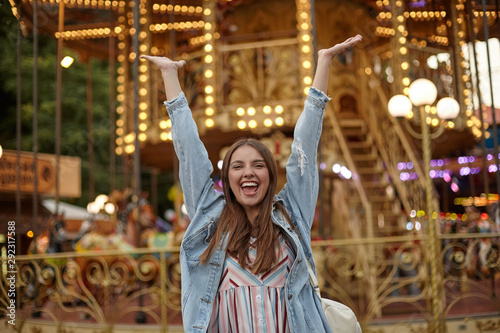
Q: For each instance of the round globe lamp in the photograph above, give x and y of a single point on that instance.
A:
(422, 92)
(399, 106)
(447, 108)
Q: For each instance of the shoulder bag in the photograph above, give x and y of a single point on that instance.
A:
(340, 317)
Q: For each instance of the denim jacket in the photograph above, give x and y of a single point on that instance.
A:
(204, 205)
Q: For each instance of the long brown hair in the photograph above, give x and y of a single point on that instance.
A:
(234, 221)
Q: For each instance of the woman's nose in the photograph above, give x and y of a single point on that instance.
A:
(248, 171)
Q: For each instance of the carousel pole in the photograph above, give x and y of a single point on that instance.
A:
(493, 113)
(480, 106)
(112, 110)
(90, 131)
(58, 103)
(35, 124)
(18, 121)
(140, 317)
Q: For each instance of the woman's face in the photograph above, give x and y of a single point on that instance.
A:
(248, 178)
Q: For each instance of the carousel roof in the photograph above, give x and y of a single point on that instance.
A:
(180, 29)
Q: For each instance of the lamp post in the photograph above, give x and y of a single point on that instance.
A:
(423, 92)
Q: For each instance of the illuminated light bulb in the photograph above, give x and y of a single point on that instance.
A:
(304, 26)
(119, 141)
(209, 122)
(67, 61)
(208, 26)
(307, 80)
(268, 122)
(252, 124)
(164, 136)
(119, 131)
(306, 38)
(209, 111)
(163, 124)
(306, 91)
(209, 89)
(434, 122)
(143, 127)
(207, 11)
(403, 50)
(208, 48)
(208, 59)
(368, 70)
(208, 36)
(306, 64)
(143, 116)
(240, 112)
(118, 150)
(242, 124)
(209, 73)
(209, 99)
(143, 137)
(251, 111)
(279, 109)
(267, 109)
(129, 149)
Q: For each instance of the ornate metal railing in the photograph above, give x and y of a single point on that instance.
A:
(107, 290)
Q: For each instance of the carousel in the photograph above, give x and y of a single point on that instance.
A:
(403, 114)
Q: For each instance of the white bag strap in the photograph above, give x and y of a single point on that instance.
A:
(313, 279)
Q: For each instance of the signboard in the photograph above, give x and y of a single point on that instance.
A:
(70, 174)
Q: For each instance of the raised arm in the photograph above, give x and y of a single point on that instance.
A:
(301, 191)
(170, 73)
(195, 167)
(326, 56)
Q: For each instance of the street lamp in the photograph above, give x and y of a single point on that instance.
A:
(423, 92)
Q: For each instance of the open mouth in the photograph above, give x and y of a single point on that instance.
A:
(249, 188)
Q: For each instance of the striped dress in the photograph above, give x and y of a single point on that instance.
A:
(248, 302)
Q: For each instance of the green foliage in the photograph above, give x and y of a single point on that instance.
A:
(74, 132)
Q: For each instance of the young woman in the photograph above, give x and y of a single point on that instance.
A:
(242, 256)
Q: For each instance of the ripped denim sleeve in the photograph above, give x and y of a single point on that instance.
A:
(302, 158)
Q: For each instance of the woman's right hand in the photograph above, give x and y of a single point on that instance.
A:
(164, 63)
(169, 71)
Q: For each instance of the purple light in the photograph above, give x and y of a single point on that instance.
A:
(413, 176)
(440, 162)
(464, 171)
(460, 160)
(401, 166)
(492, 168)
(433, 163)
(489, 157)
(409, 165)
(441, 173)
(472, 159)
(404, 176)
(322, 166)
(433, 173)
(454, 187)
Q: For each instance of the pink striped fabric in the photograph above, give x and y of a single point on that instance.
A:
(248, 302)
